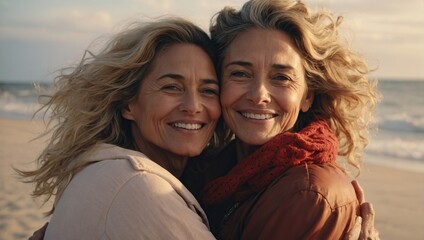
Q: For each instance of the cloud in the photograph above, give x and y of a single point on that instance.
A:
(60, 24)
(157, 4)
(388, 32)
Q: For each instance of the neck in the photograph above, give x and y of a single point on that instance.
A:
(243, 150)
(174, 163)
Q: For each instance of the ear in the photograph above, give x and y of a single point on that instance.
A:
(127, 112)
(307, 102)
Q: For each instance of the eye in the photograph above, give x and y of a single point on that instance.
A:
(239, 74)
(208, 91)
(171, 88)
(281, 79)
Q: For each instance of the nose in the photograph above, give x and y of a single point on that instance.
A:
(191, 103)
(258, 92)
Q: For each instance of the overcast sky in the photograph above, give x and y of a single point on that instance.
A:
(38, 37)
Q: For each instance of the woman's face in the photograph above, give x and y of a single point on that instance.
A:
(177, 106)
(263, 85)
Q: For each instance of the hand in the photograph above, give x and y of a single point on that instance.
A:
(367, 229)
(356, 230)
(39, 234)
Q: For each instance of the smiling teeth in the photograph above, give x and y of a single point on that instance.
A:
(188, 126)
(257, 116)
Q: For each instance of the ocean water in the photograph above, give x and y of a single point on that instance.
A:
(398, 141)
(20, 100)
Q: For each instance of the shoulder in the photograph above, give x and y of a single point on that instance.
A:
(101, 182)
(112, 164)
(82, 208)
(326, 181)
(113, 168)
(108, 169)
(307, 201)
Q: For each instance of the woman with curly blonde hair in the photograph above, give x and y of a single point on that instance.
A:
(296, 98)
(123, 124)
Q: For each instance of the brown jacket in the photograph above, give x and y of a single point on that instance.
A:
(305, 202)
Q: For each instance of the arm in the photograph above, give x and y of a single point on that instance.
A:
(147, 207)
(303, 215)
(310, 201)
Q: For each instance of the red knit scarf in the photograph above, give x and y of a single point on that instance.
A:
(315, 143)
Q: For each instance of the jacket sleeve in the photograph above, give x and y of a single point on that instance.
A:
(307, 215)
(322, 205)
(147, 207)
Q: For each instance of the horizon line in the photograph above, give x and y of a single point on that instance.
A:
(16, 81)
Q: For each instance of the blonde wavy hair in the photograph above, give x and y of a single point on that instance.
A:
(86, 106)
(344, 96)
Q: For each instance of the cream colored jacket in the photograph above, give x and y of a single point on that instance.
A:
(122, 194)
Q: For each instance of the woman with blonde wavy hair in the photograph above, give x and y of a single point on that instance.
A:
(123, 124)
(296, 99)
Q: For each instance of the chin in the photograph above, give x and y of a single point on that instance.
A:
(192, 152)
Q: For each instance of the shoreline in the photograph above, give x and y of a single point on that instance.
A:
(395, 163)
(396, 194)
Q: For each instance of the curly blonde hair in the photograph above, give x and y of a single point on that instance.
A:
(86, 107)
(344, 96)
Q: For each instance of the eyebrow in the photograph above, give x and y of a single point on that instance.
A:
(282, 66)
(210, 81)
(180, 78)
(241, 63)
(248, 64)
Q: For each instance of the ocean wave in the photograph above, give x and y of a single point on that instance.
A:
(18, 109)
(402, 123)
(16, 106)
(398, 148)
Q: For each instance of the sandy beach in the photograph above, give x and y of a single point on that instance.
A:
(397, 195)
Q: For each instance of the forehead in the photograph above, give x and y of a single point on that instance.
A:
(182, 61)
(180, 54)
(256, 44)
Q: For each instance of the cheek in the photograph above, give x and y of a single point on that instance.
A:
(224, 102)
(229, 94)
(214, 109)
(155, 109)
(289, 102)
(226, 105)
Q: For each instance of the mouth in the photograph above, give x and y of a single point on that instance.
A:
(187, 126)
(258, 116)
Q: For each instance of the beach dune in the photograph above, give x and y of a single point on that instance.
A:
(397, 195)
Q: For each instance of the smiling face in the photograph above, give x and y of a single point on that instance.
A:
(263, 85)
(177, 106)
